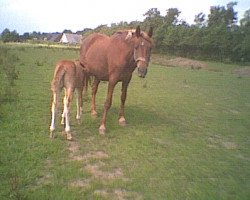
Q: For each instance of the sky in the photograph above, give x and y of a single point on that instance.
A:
(58, 15)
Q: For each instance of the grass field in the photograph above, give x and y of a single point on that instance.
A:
(188, 136)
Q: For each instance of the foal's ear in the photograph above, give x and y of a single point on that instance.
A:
(150, 32)
(138, 31)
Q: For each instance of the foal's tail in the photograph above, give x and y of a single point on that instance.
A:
(57, 82)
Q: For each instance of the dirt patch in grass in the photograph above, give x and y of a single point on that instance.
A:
(80, 183)
(118, 194)
(216, 141)
(96, 171)
(96, 155)
(245, 71)
(94, 163)
(178, 62)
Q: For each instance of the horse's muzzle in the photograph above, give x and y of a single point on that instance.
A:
(142, 72)
(142, 66)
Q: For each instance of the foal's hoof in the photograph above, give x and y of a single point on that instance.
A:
(122, 121)
(102, 130)
(51, 135)
(51, 129)
(69, 136)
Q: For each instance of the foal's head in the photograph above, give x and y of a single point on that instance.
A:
(142, 50)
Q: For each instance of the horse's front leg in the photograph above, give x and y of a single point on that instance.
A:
(122, 120)
(94, 91)
(107, 106)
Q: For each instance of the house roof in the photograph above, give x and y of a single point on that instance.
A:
(70, 38)
(54, 37)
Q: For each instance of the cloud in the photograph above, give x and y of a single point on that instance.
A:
(57, 15)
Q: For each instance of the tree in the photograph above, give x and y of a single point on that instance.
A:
(67, 31)
(153, 18)
(25, 36)
(219, 15)
(231, 15)
(172, 15)
(245, 21)
(200, 20)
(9, 36)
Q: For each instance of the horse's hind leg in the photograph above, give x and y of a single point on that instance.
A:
(94, 91)
(79, 103)
(107, 106)
(54, 108)
(66, 110)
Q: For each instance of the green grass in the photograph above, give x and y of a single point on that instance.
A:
(187, 137)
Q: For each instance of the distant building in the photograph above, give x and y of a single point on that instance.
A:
(53, 37)
(70, 38)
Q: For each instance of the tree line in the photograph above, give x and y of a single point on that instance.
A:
(218, 36)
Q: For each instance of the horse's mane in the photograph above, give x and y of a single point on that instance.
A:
(127, 34)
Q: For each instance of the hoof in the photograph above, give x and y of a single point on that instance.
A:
(93, 114)
(51, 135)
(122, 121)
(69, 136)
(102, 130)
(51, 128)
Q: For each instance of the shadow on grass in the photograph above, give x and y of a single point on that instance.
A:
(137, 117)
(142, 116)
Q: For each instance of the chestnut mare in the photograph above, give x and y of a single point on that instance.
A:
(70, 76)
(114, 59)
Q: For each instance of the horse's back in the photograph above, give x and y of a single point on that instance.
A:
(64, 75)
(93, 54)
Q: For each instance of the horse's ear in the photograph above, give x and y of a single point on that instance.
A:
(138, 31)
(150, 32)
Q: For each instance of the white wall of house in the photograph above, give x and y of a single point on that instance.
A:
(64, 39)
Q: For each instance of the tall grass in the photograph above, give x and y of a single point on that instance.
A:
(8, 75)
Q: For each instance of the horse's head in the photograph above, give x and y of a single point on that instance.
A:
(142, 50)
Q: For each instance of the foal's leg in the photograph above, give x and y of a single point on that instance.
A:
(54, 108)
(79, 103)
(67, 101)
(64, 112)
(107, 106)
(94, 91)
(122, 120)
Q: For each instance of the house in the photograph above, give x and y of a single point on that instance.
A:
(70, 38)
(53, 37)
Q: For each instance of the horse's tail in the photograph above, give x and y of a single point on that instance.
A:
(87, 81)
(57, 82)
